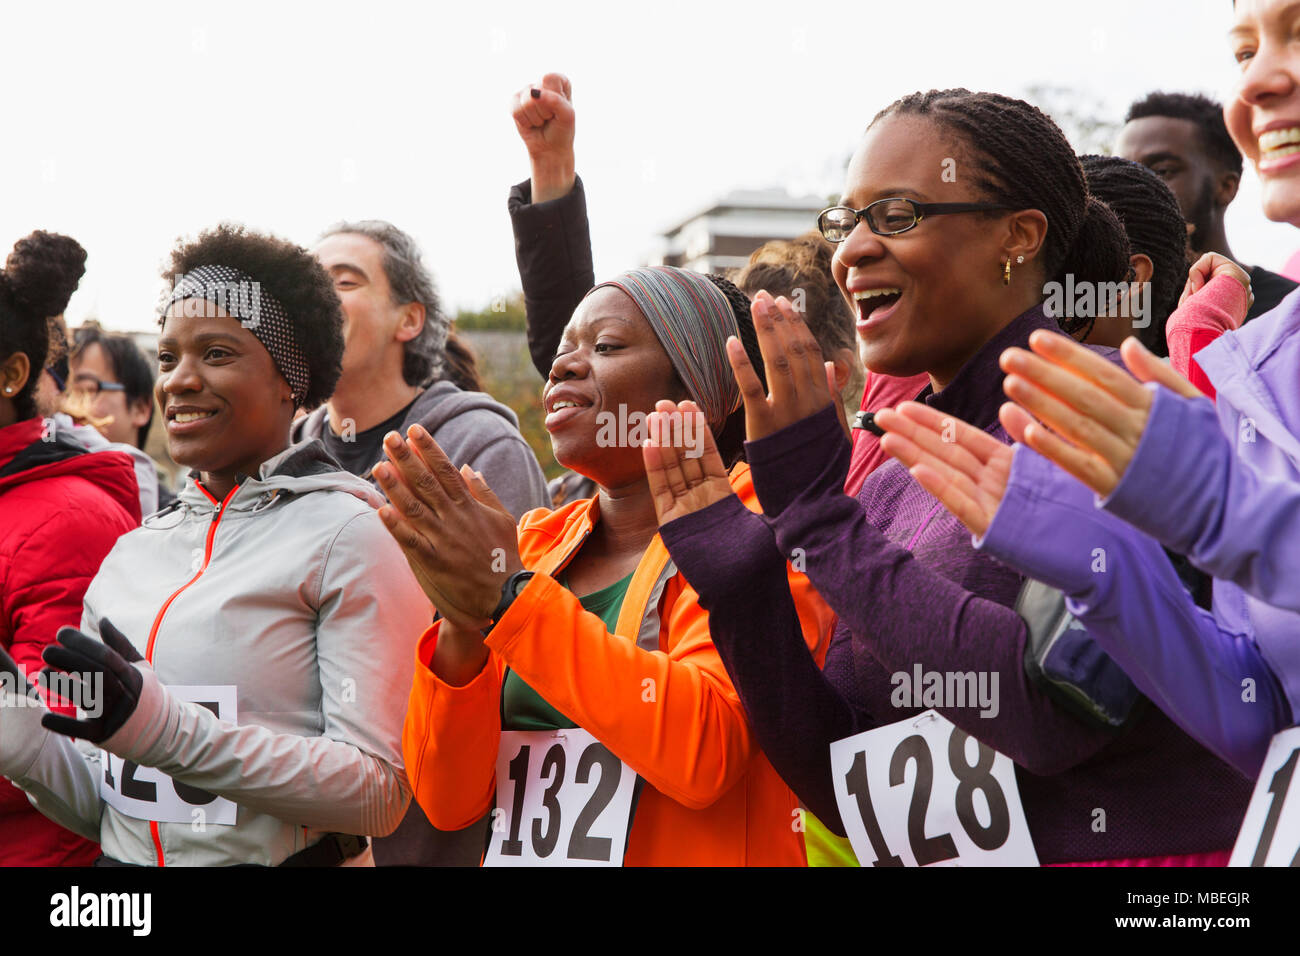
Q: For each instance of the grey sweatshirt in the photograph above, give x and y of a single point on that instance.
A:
(473, 429)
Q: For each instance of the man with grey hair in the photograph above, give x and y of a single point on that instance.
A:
(395, 334)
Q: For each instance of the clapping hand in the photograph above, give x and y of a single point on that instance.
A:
(965, 468)
(800, 384)
(1095, 411)
(683, 479)
(458, 538)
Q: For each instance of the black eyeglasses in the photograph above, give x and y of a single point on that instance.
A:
(889, 217)
(93, 386)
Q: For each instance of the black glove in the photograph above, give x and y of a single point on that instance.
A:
(83, 657)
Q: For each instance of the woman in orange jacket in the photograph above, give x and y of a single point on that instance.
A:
(571, 685)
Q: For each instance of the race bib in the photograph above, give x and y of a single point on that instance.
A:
(149, 794)
(562, 800)
(922, 792)
(1270, 834)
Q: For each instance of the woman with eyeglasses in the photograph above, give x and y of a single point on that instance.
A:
(61, 511)
(1158, 255)
(959, 208)
(244, 656)
(103, 413)
(1218, 481)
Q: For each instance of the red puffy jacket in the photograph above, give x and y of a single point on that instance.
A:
(61, 510)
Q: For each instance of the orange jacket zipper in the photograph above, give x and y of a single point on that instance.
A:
(220, 507)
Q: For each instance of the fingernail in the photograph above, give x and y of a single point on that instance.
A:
(536, 93)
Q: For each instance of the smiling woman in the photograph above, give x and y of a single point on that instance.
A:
(573, 634)
(1234, 508)
(944, 296)
(255, 585)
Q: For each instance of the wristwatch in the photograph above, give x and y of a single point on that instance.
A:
(509, 591)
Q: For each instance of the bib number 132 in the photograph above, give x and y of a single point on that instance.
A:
(563, 799)
(923, 792)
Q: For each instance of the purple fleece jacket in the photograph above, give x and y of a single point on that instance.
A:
(909, 588)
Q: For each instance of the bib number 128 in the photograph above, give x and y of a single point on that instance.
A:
(563, 799)
(921, 792)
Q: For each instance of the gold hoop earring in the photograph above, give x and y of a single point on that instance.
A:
(1006, 272)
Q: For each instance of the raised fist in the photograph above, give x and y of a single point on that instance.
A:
(543, 115)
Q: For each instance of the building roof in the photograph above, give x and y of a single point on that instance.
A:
(752, 200)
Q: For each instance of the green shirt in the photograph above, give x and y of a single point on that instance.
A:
(522, 708)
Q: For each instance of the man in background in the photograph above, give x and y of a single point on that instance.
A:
(396, 374)
(1183, 139)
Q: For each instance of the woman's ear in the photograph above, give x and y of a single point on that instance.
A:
(1143, 267)
(1026, 233)
(13, 374)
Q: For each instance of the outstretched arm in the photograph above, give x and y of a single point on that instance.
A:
(1124, 440)
(1034, 517)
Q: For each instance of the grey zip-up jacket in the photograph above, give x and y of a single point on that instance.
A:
(472, 428)
(293, 592)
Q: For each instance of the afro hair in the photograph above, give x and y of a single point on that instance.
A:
(291, 275)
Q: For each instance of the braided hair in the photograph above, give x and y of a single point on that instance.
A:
(1150, 215)
(1198, 109)
(1022, 160)
(731, 439)
(36, 283)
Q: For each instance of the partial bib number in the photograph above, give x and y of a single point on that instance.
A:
(146, 793)
(922, 792)
(562, 800)
(1270, 834)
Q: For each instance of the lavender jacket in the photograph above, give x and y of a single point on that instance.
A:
(1226, 492)
(1235, 508)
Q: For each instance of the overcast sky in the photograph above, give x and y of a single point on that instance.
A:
(131, 124)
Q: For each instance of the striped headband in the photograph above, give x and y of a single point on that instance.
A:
(693, 320)
(242, 297)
